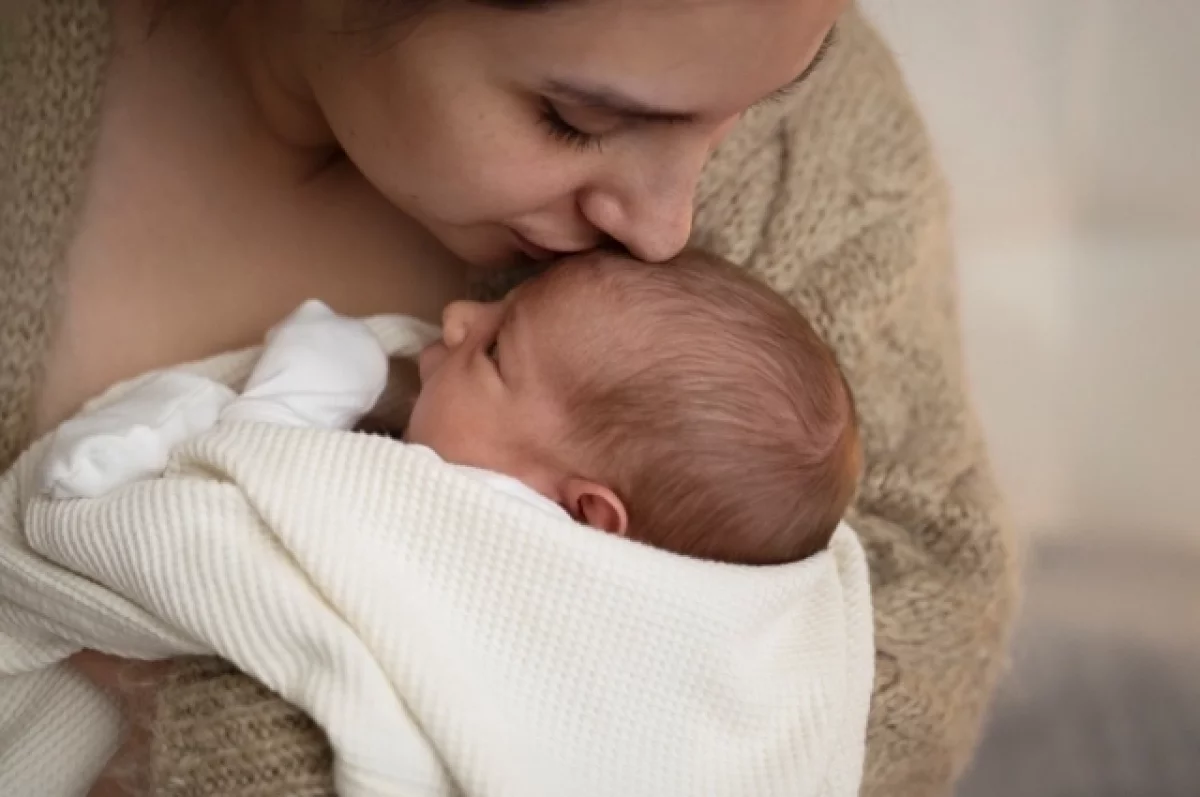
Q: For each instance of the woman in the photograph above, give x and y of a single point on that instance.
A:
(177, 178)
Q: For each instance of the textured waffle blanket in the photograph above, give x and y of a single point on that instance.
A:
(450, 637)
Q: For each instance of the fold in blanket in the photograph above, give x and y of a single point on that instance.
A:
(448, 636)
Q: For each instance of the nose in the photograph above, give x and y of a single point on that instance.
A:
(647, 204)
(458, 318)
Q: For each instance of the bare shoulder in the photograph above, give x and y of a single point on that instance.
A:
(199, 229)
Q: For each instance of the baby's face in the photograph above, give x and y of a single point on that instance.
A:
(487, 399)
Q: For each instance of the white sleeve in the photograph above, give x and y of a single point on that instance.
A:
(317, 370)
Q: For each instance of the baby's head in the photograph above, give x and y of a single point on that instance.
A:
(682, 404)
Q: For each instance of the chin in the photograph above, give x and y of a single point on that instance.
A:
(479, 249)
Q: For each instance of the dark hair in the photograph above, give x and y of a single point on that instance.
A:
(711, 407)
(394, 11)
(364, 15)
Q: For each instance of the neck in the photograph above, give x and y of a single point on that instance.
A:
(272, 49)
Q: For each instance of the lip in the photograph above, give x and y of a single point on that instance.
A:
(531, 250)
(537, 252)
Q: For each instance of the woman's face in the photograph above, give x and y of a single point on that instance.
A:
(525, 134)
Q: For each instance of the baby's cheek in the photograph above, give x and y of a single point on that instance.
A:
(430, 360)
(422, 421)
(438, 423)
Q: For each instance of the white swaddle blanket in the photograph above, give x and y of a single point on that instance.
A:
(450, 637)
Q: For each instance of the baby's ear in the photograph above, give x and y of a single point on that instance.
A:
(597, 506)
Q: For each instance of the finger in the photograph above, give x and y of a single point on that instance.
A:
(126, 774)
(108, 786)
(133, 682)
(99, 668)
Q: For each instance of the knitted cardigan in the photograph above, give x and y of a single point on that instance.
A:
(831, 196)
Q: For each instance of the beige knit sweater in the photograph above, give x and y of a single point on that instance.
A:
(832, 197)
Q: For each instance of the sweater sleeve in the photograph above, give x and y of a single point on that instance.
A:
(219, 732)
(837, 203)
(941, 556)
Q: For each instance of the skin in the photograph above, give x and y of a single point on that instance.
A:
(491, 395)
(621, 178)
(248, 162)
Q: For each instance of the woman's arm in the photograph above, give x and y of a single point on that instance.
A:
(836, 201)
(942, 558)
(216, 731)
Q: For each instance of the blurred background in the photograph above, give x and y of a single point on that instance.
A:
(1070, 133)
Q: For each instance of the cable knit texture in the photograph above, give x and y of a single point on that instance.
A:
(831, 196)
(52, 60)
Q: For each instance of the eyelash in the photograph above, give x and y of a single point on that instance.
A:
(564, 131)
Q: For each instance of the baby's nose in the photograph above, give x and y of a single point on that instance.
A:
(457, 319)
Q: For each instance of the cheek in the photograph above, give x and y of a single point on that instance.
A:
(461, 158)
(436, 423)
(453, 429)
(492, 167)
(444, 408)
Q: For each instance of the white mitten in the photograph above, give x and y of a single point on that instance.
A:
(318, 370)
(130, 438)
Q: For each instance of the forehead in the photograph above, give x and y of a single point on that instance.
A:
(558, 305)
(566, 320)
(697, 56)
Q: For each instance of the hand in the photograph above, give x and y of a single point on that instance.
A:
(134, 684)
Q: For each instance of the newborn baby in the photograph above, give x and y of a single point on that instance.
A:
(443, 607)
(682, 404)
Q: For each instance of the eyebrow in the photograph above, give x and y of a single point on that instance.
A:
(822, 53)
(608, 99)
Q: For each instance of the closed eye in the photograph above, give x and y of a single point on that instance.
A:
(562, 130)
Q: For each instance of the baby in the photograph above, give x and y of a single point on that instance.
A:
(446, 632)
(683, 405)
